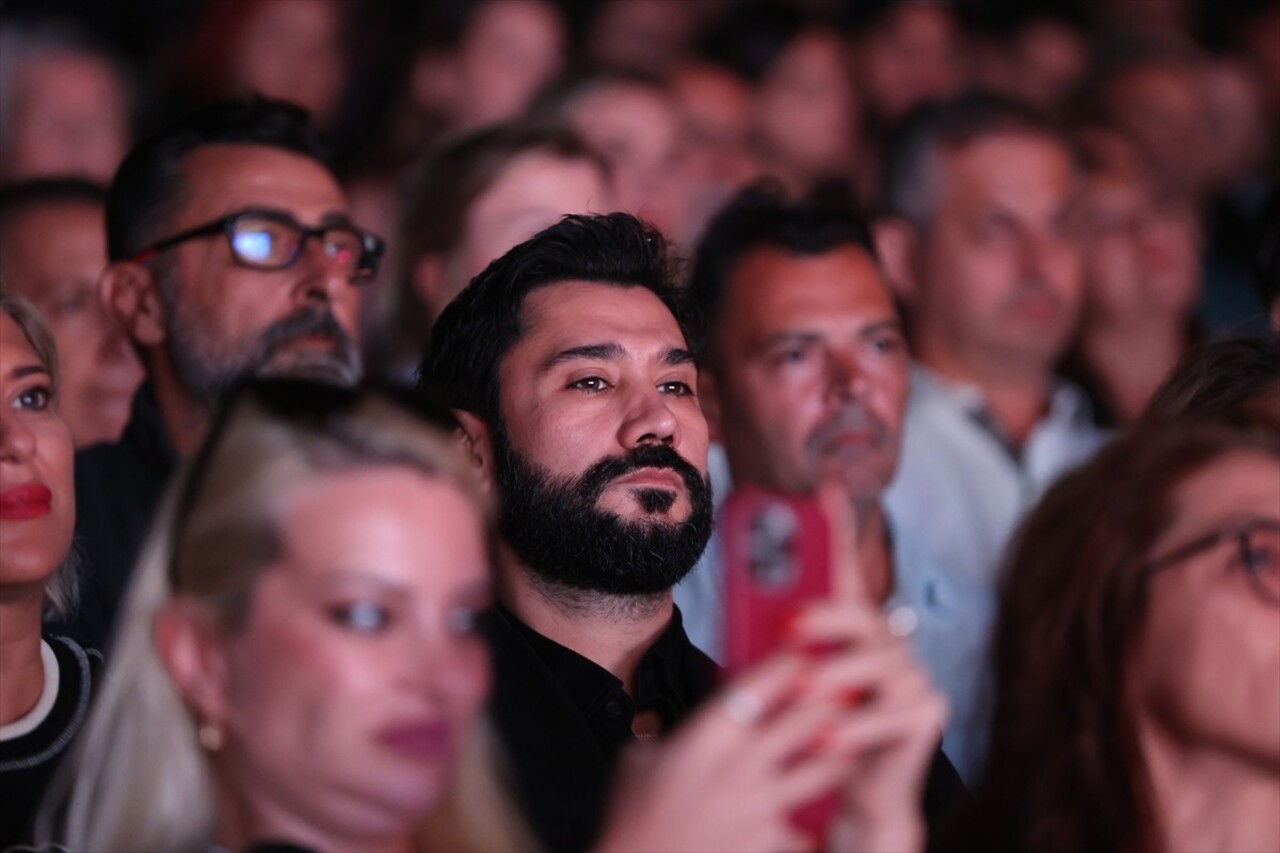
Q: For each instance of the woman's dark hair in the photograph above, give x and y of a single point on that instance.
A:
(483, 323)
(1065, 771)
(1234, 379)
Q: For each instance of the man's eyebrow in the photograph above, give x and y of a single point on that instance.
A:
(789, 337)
(593, 352)
(891, 324)
(336, 218)
(676, 356)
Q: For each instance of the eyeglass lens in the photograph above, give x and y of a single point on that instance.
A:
(274, 244)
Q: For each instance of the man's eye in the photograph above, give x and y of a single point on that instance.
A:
(362, 616)
(887, 344)
(37, 398)
(590, 383)
(677, 388)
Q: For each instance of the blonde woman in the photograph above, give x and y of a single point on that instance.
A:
(45, 683)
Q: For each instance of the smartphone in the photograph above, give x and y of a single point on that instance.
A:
(776, 558)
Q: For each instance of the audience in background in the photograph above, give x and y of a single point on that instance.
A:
(65, 103)
(47, 681)
(466, 204)
(1141, 281)
(231, 253)
(985, 250)
(482, 62)
(52, 251)
(632, 122)
(1115, 258)
(804, 107)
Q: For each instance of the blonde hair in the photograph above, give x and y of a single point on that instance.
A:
(138, 779)
(62, 592)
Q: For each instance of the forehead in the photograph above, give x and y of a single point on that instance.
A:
(544, 177)
(225, 177)
(1013, 167)
(577, 313)
(771, 290)
(1240, 483)
(18, 352)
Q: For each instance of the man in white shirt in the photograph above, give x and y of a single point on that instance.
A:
(804, 378)
(984, 252)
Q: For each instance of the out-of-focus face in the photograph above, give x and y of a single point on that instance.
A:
(598, 371)
(1050, 60)
(810, 371)
(70, 116)
(511, 50)
(227, 319)
(911, 57)
(1235, 99)
(360, 665)
(641, 35)
(1141, 259)
(637, 131)
(1000, 264)
(1163, 109)
(534, 191)
(1207, 668)
(53, 255)
(293, 51)
(716, 106)
(37, 496)
(805, 110)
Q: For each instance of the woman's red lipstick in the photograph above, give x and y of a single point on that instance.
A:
(25, 502)
(422, 741)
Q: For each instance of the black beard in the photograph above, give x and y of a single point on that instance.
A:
(556, 528)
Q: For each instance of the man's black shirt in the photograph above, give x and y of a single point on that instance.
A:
(118, 488)
(564, 721)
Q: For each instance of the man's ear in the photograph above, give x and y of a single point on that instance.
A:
(192, 648)
(131, 295)
(709, 397)
(477, 444)
(897, 242)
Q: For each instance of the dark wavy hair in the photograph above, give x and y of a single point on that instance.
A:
(1065, 771)
(478, 328)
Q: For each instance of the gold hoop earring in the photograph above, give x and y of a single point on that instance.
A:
(210, 737)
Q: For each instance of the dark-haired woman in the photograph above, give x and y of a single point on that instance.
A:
(1138, 654)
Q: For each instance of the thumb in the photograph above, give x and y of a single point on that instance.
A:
(847, 581)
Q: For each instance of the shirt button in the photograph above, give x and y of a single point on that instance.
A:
(614, 708)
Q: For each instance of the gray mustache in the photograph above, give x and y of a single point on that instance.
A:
(853, 417)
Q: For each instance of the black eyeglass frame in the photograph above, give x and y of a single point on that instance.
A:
(371, 245)
(1242, 532)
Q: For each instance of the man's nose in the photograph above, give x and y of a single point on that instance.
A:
(845, 377)
(649, 420)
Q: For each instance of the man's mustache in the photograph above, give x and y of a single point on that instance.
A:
(312, 322)
(853, 417)
(598, 477)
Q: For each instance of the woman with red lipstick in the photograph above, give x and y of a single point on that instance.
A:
(45, 683)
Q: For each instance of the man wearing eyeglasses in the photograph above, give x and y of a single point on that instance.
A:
(231, 252)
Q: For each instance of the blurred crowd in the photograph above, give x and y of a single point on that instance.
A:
(374, 373)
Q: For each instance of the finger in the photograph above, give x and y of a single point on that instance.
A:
(837, 623)
(868, 669)
(847, 582)
(725, 721)
(868, 730)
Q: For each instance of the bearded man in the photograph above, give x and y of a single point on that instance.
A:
(567, 364)
(230, 253)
